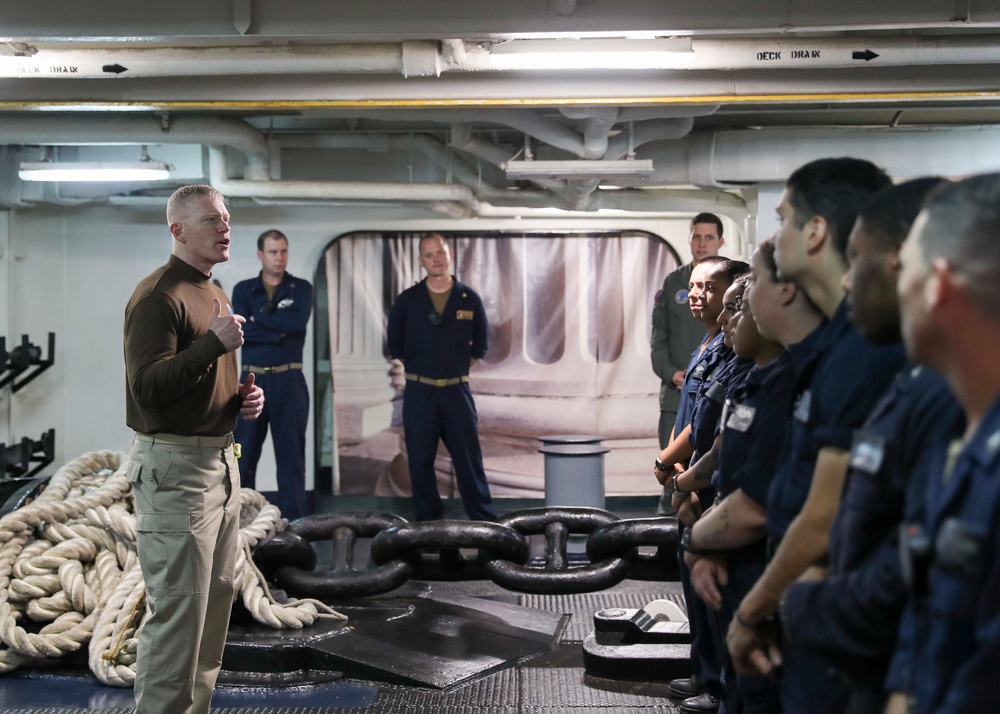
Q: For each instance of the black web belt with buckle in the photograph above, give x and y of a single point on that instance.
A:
(277, 369)
(437, 382)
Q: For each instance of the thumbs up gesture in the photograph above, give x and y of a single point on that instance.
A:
(228, 327)
(252, 398)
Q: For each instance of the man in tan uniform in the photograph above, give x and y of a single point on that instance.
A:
(183, 398)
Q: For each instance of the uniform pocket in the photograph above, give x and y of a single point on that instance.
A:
(163, 523)
(133, 472)
(166, 552)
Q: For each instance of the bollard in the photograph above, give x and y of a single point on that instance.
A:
(570, 439)
(574, 471)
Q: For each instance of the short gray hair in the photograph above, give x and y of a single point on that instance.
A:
(182, 198)
(963, 227)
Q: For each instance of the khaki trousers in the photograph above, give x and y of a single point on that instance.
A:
(187, 501)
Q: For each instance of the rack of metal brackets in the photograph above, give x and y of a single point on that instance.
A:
(27, 457)
(24, 363)
(20, 461)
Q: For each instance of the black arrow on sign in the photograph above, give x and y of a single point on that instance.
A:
(114, 68)
(867, 55)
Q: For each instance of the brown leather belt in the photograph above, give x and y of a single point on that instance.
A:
(277, 369)
(204, 442)
(437, 382)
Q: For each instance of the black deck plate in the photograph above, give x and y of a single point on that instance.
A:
(430, 639)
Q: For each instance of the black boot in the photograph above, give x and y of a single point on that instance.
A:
(704, 703)
(685, 688)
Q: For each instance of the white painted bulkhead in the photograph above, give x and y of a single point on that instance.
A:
(71, 269)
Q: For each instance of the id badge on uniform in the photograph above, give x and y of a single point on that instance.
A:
(867, 452)
(740, 418)
(802, 406)
(463, 314)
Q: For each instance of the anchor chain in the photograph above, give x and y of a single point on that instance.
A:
(470, 550)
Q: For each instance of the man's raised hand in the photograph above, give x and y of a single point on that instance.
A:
(227, 327)
(251, 398)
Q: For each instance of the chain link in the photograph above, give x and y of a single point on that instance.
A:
(468, 550)
(557, 576)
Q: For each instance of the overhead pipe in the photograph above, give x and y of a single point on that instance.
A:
(358, 190)
(711, 159)
(422, 58)
(651, 201)
(597, 122)
(462, 139)
(644, 114)
(128, 129)
(725, 54)
(410, 59)
(447, 208)
(235, 133)
(541, 127)
(733, 158)
(577, 193)
(434, 149)
(646, 132)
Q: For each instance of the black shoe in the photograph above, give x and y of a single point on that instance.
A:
(685, 688)
(704, 703)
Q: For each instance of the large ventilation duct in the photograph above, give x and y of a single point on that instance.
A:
(733, 158)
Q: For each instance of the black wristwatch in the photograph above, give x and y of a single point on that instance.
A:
(686, 543)
(660, 466)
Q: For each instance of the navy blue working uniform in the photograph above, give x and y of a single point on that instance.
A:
(950, 636)
(699, 368)
(851, 618)
(753, 434)
(723, 380)
(273, 338)
(836, 388)
(705, 658)
(437, 350)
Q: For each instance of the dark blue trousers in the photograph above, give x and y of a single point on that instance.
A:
(753, 693)
(286, 412)
(447, 414)
(705, 663)
(808, 685)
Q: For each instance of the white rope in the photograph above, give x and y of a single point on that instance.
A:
(70, 577)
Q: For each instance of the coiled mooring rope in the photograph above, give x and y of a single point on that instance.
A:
(69, 575)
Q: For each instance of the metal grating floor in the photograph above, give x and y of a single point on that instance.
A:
(553, 683)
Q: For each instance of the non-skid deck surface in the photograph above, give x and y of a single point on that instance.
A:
(554, 682)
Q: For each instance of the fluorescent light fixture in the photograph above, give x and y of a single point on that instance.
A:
(94, 171)
(588, 54)
(583, 169)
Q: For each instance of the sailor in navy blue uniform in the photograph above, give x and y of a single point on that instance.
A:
(831, 399)
(277, 306)
(707, 298)
(948, 655)
(727, 545)
(850, 617)
(438, 329)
